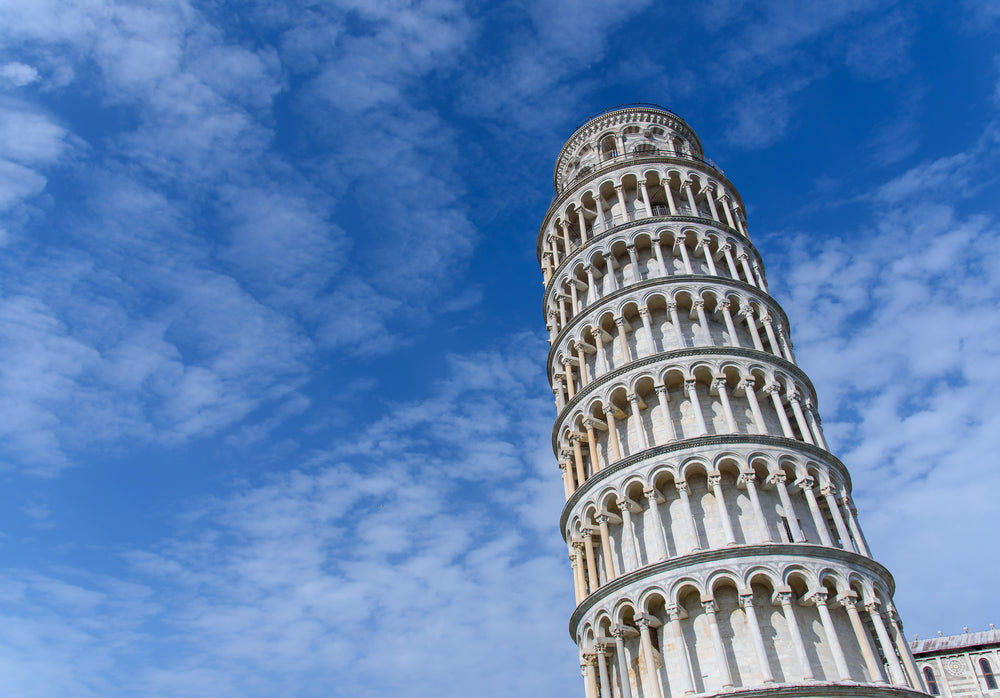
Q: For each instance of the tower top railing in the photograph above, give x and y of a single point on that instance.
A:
(609, 163)
(611, 112)
(628, 105)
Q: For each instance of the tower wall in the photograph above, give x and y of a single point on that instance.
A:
(714, 543)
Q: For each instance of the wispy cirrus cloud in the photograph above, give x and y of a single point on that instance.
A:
(896, 325)
(217, 270)
(343, 574)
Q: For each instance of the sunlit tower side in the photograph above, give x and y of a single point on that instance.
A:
(714, 543)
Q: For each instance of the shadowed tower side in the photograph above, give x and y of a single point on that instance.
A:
(714, 543)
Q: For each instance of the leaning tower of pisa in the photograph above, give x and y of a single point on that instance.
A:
(714, 544)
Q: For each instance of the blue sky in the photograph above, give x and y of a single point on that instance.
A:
(273, 412)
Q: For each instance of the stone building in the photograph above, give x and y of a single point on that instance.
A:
(960, 666)
(713, 540)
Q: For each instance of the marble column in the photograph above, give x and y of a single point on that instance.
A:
(746, 601)
(830, 630)
(619, 634)
(715, 481)
(888, 651)
(609, 564)
(863, 639)
(662, 551)
(693, 543)
(748, 478)
(720, 651)
(629, 552)
(650, 682)
(690, 385)
(785, 597)
(683, 663)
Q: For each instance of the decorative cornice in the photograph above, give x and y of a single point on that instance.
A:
(735, 552)
(727, 440)
(652, 283)
(708, 223)
(667, 357)
(561, 198)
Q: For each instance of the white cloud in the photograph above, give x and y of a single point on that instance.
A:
(348, 574)
(896, 325)
(18, 74)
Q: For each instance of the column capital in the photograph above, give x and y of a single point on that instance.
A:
(773, 388)
(743, 256)
(827, 490)
(714, 480)
(620, 321)
(673, 612)
(747, 476)
(661, 389)
(681, 485)
(724, 305)
(847, 602)
(709, 606)
(718, 382)
(726, 247)
(785, 598)
(589, 423)
(819, 597)
(698, 304)
(577, 545)
(794, 395)
(609, 410)
(642, 622)
(690, 383)
(746, 599)
(602, 519)
(777, 478)
(630, 246)
(643, 311)
(873, 608)
(625, 504)
(633, 398)
(671, 306)
(805, 483)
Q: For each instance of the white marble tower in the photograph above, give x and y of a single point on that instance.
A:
(714, 543)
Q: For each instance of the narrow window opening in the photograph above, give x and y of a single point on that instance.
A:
(988, 677)
(931, 681)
